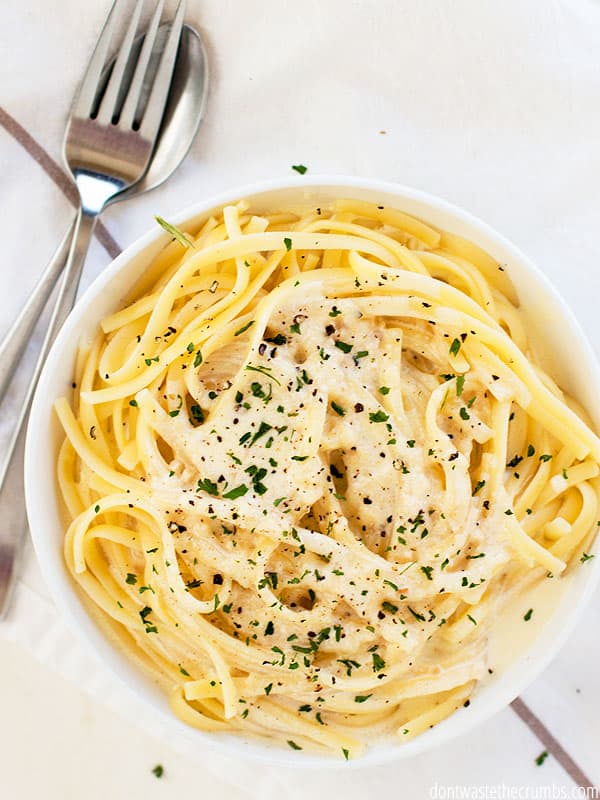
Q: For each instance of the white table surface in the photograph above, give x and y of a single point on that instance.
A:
(493, 106)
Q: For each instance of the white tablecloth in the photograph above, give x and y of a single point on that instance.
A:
(494, 106)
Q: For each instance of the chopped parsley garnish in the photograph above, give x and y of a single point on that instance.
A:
(295, 328)
(198, 359)
(131, 579)
(541, 758)
(278, 339)
(300, 168)
(455, 347)
(197, 415)
(378, 662)
(427, 572)
(244, 328)
(258, 391)
(384, 390)
(288, 244)
(545, 457)
(264, 371)
(585, 557)
(149, 627)
(530, 450)
(239, 491)
(293, 745)
(389, 607)
(378, 416)
(343, 346)
(460, 382)
(528, 615)
(335, 312)
(263, 429)
(349, 664)
(416, 615)
(271, 579)
(133, 403)
(337, 408)
(175, 232)
(464, 414)
(478, 486)
(362, 698)
(206, 485)
(158, 770)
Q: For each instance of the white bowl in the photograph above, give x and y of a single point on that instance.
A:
(550, 324)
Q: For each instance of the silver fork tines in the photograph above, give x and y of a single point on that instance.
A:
(107, 115)
(130, 107)
(107, 153)
(84, 100)
(107, 112)
(153, 111)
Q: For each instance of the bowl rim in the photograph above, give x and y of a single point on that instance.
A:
(65, 595)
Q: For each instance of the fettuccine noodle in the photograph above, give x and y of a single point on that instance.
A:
(305, 466)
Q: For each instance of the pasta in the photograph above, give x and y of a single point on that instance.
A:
(306, 465)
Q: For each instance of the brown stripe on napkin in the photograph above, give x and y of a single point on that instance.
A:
(552, 745)
(55, 172)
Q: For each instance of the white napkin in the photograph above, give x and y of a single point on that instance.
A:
(494, 106)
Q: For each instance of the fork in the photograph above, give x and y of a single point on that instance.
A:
(108, 145)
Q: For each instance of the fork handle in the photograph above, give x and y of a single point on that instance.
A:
(14, 343)
(12, 481)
